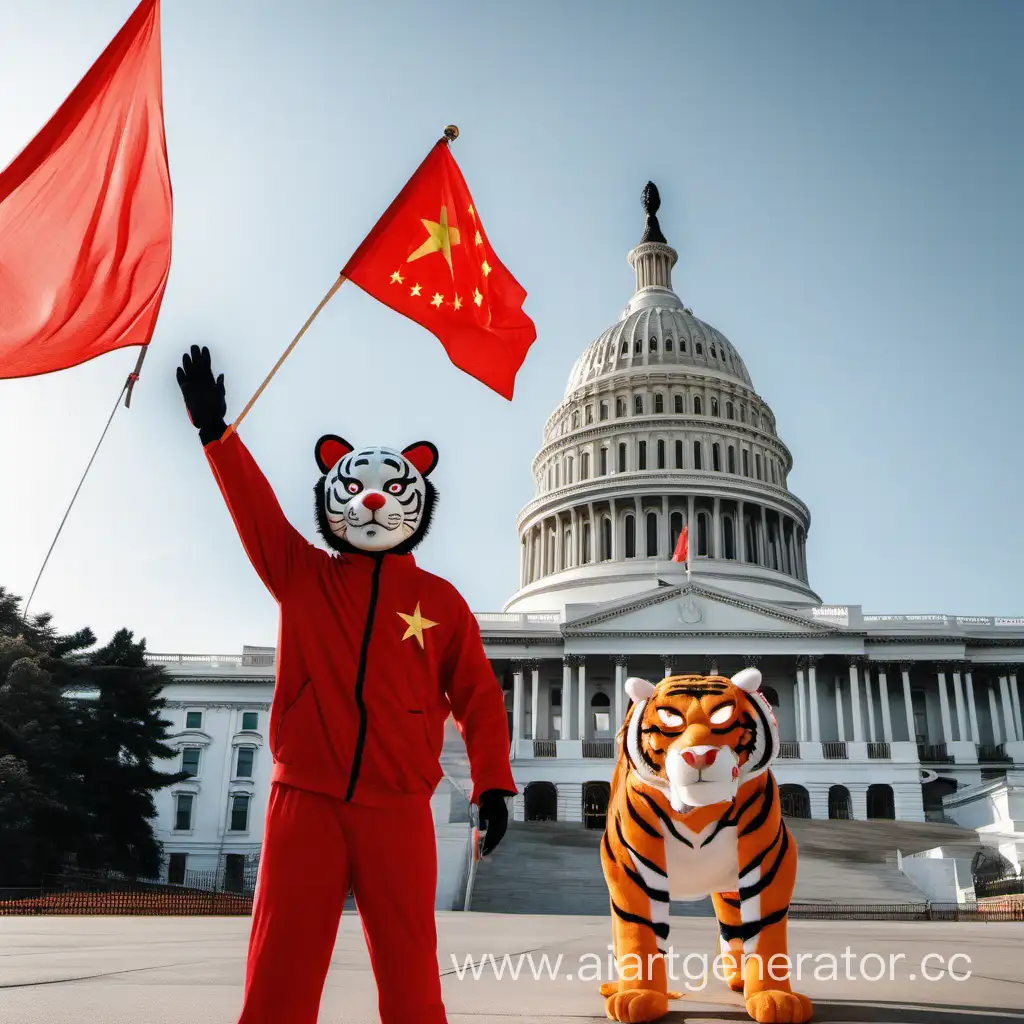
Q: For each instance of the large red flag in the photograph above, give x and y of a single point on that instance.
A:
(429, 258)
(85, 215)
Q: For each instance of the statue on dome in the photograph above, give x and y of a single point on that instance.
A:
(650, 199)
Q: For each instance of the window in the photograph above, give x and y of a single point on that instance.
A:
(753, 419)
(772, 465)
(703, 534)
(700, 349)
(193, 719)
(586, 543)
(743, 414)
(668, 344)
(637, 346)
(556, 696)
(603, 413)
(659, 403)
(682, 344)
(728, 537)
(620, 407)
(190, 760)
(239, 813)
(713, 354)
(622, 458)
(757, 465)
(679, 454)
(602, 716)
(678, 405)
(625, 348)
(604, 462)
(661, 454)
(584, 465)
(714, 406)
(716, 457)
(698, 406)
(746, 462)
(244, 762)
(638, 405)
(606, 538)
(250, 721)
(730, 412)
(575, 418)
(641, 455)
(653, 347)
(183, 812)
(731, 455)
(176, 865)
(652, 534)
(676, 527)
(697, 461)
(589, 417)
(557, 468)
(568, 470)
(567, 549)
(630, 536)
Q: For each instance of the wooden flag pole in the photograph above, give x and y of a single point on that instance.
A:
(287, 352)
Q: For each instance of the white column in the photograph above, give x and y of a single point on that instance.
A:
(566, 732)
(969, 686)
(582, 698)
(858, 721)
(812, 686)
(620, 688)
(908, 703)
(665, 531)
(1015, 699)
(872, 736)
(535, 700)
(801, 703)
(716, 528)
(517, 703)
(1011, 729)
(883, 697)
(997, 733)
(961, 710)
(741, 535)
(840, 722)
(559, 549)
(947, 726)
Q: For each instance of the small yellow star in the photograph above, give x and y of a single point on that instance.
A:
(416, 289)
(479, 239)
(477, 297)
(472, 212)
(457, 303)
(485, 267)
(416, 623)
(396, 277)
(437, 300)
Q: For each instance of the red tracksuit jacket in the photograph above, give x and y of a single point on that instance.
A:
(360, 703)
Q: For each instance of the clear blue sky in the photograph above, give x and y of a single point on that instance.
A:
(844, 184)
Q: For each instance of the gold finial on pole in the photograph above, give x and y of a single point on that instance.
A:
(451, 132)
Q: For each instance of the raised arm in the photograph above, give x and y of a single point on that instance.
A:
(275, 548)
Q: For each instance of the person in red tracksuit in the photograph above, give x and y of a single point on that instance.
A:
(373, 655)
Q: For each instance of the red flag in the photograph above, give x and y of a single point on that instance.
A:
(682, 551)
(428, 258)
(85, 215)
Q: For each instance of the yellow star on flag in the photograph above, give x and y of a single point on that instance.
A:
(485, 267)
(440, 239)
(472, 212)
(416, 289)
(437, 300)
(479, 239)
(457, 303)
(477, 297)
(416, 623)
(396, 277)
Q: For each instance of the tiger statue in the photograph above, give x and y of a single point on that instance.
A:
(694, 810)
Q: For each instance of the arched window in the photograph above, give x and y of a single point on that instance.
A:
(729, 411)
(603, 414)
(697, 461)
(638, 405)
(585, 556)
(622, 457)
(659, 403)
(653, 347)
(700, 348)
(568, 470)
(625, 348)
(575, 419)
(746, 462)
(839, 803)
(731, 457)
(743, 414)
(677, 402)
(661, 454)
(728, 537)
(703, 534)
(567, 549)
(637, 346)
(668, 344)
(604, 462)
(794, 801)
(757, 464)
(714, 406)
(682, 344)
(881, 801)
(630, 525)
(698, 406)
(606, 538)
(679, 454)
(641, 451)
(620, 407)
(714, 355)
(585, 465)
(675, 527)
(557, 467)
(716, 457)
(652, 534)
(541, 802)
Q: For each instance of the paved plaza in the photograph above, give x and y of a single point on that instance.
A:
(109, 970)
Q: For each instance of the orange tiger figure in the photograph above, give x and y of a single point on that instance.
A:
(694, 810)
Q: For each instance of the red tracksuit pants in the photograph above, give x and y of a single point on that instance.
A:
(314, 848)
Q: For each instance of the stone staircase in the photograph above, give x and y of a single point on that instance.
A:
(554, 867)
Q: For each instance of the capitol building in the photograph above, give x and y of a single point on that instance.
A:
(881, 715)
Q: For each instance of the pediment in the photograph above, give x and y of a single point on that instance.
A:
(691, 608)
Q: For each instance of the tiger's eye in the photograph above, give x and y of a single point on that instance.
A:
(722, 714)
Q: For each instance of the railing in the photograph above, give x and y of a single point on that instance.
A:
(789, 749)
(934, 753)
(520, 620)
(238, 660)
(834, 750)
(599, 748)
(1002, 885)
(994, 754)
(544, 748)
(879, 752)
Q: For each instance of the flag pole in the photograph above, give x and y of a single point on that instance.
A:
(287, 352)
(126, 388)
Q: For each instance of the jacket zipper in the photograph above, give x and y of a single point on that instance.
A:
(357, 757)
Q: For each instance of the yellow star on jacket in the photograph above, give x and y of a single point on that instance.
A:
(416, 624)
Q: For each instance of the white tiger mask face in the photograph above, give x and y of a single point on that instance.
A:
(374, 499)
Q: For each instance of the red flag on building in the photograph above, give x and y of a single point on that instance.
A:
(85, 215)
(429, 258)
(682, 551)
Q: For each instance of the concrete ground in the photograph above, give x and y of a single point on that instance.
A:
(109, 970)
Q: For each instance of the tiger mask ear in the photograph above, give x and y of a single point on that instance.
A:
(330, 449)
(747, 679)
(422, 455)
(638, 689)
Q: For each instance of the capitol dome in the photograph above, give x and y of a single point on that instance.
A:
(660, 426)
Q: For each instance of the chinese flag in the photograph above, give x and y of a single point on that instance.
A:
(682, 551)
(85, 215)
(429, 258)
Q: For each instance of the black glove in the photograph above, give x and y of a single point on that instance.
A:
(204, 396)
(493, 818)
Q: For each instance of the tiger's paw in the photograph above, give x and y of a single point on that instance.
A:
(635, 1005)
(609, 988)
(772, 1006)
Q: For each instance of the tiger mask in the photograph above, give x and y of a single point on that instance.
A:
(374, 500)
(698, 738)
